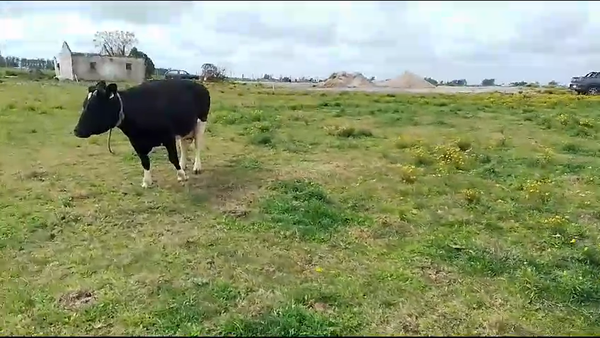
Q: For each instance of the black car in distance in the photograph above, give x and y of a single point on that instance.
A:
(588, 84)
(180, 74)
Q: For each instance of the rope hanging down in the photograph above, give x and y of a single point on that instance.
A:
(119, 121)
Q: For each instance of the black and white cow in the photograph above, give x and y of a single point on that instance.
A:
(156, 113)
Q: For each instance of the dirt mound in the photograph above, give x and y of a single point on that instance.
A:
(408, 80)
(347, 80)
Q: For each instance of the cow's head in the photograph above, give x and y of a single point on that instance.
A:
(100, 112)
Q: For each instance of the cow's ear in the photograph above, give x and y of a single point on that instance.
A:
(111, 89)
(101, 85)
(91, 89)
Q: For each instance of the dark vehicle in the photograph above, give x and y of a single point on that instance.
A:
(180, 74)
(588, 84)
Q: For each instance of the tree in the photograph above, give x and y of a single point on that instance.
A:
(150, 68)
(115, 43)
(488, 82)
(432, 81)
(518, 84)
(160, 71)
(552, 83)
(458, 83)
(11, 61)
(208, 69)
(211, 72)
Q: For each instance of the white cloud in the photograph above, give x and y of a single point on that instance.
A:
(508, 41)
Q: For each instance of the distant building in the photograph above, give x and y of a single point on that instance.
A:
(95, 67)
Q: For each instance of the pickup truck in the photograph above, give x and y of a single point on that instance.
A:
(588, 84)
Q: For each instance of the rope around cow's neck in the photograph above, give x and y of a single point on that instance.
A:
(108, 141)
(119, 121)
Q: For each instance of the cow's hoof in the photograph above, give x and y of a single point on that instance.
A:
(147, 179)
(181, 176)
(197, 167)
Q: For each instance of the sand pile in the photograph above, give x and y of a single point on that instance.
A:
(348, 80)
(408, 80)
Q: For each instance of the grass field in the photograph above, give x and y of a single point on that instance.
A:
(316, 214)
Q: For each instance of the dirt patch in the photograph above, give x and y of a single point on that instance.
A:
(407, 80)
(225, 185)
(360, 234)
(410, 325)
(320, 307)
(34, 175)
(401, 324)
(235, 211)
(77, 299)
(436, 275)
(503, 326)
(390, 228)
(346, 80)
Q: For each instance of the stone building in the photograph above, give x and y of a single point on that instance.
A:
(95, 67)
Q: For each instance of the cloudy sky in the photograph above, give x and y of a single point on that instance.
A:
(508, 41)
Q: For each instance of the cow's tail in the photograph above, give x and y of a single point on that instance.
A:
(203, 113)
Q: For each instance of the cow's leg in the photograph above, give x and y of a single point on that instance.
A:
(145, 159)
(171, 146)
(198, 142)
(183, 149)
(142, 152)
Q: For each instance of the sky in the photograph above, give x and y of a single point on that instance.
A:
(508, 41)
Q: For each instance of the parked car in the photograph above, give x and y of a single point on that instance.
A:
(180, 74)
(588, 84)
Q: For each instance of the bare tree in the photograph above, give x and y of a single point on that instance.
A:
(210, 72)
(115, 43)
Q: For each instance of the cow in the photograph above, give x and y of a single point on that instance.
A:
(167, 113)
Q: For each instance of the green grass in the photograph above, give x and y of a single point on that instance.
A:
(23, 74)
(317, 214)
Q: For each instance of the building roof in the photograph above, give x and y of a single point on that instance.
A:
(87, 54)
(93, 54)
